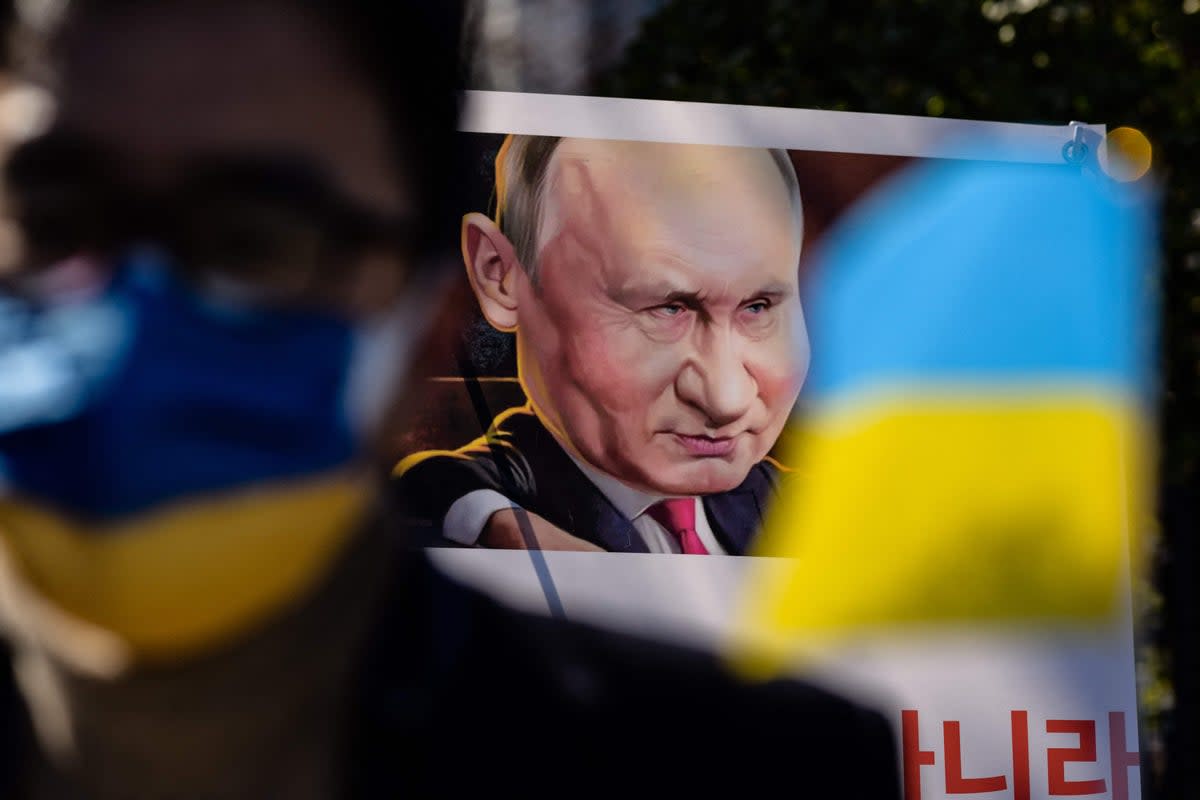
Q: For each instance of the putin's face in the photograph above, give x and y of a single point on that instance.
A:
(663, 340)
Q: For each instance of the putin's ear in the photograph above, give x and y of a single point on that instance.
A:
(493, 269)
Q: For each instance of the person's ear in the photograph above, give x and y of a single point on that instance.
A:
(493, 268)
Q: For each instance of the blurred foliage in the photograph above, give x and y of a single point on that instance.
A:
(1119, 62)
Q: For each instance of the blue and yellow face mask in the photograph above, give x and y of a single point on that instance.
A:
(177, 466)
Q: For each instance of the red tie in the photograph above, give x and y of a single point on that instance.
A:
(679, 517)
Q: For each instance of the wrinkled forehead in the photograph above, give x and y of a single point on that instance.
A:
(656, 191)
(167, 83)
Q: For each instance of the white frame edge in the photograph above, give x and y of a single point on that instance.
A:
(763, 126)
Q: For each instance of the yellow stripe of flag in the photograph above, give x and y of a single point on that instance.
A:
(940, 510)
(178, 580)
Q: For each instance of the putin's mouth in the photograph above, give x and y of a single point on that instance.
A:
(707, 446)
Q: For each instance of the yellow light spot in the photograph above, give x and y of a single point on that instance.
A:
(935, 106)
(1129, 154)
(1006, 34)
(1191, 6)
(1041, 60)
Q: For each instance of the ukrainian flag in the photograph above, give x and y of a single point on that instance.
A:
(975, 437)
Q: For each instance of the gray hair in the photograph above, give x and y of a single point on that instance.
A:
(522, 167)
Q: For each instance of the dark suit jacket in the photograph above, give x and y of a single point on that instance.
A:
(454, 695)
(521, 460)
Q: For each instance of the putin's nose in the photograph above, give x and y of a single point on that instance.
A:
(716, 382)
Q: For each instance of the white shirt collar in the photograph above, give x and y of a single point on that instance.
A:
(632, 503)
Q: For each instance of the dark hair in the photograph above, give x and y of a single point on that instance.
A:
(8, 23)
(410, 50)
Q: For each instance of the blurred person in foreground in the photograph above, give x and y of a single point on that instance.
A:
(225, 230)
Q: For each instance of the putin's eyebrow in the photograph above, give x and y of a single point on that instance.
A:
(636, 295)
(773, 291)
(653, 292)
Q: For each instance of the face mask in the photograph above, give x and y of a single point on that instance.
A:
(151, 390)
(179, 463)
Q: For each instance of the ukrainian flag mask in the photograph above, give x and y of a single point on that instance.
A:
(176, 465)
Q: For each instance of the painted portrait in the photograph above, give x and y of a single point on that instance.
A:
(648, 297)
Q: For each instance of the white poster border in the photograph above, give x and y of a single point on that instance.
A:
(1085, 677)
(679, 122)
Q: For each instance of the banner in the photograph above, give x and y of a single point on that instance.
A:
(887, 375)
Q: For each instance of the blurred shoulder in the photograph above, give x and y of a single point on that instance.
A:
(547, 700)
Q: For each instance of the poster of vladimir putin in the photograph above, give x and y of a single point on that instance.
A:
(653, 294)
(628, 351)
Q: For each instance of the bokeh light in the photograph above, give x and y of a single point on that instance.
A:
(1129, 154)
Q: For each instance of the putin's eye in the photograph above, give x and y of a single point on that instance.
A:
(669, 309)
(758, 307)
